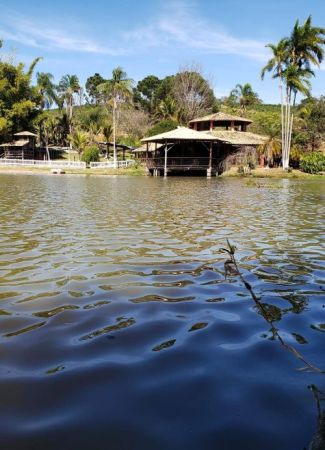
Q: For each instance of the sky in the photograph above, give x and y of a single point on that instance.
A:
(226, 38)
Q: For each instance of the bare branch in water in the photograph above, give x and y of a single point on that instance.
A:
(232, 269)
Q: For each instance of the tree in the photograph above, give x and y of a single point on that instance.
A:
(243, 95)
(48, 96)
(145, 92)
(192, 92)
(79, 141)
(18, 98)
(91, 87)
(116, 90)
(292, 59)
(168, 108)
(68, 87)
(312, 113)
(90, 154)
(164, 91)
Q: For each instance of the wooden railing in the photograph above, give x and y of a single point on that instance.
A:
(181, 162)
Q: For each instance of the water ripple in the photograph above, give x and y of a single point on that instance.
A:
(116, 315)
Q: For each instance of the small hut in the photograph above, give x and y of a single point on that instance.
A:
(22, 147)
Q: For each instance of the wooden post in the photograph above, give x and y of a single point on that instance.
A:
(209, 171)
(165, 167)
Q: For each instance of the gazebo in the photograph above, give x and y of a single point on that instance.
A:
(23, 146)
(181, 150)
(186, 150)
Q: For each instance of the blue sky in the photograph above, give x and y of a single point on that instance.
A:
(226, 38)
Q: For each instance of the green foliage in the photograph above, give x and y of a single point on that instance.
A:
(79, 141)
(312, 129)
(145, 92)
(130, 141)
(313, 162)
(90, 154)
(91, 87)
(162, 127)
(87, 115)
(243, 96)
(18, 98)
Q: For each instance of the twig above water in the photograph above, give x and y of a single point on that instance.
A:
(232, 269)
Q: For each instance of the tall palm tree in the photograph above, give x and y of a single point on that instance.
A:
(68, 87)
(116, 91)
(48, 96)
(292, 60)
(276, 65)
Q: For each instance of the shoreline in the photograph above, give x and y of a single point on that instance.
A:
(140, 171)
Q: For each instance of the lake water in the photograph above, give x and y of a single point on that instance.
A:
(119, 331)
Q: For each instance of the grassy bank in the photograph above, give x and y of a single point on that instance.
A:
(270, 173)
(131, 171)
(140, 171)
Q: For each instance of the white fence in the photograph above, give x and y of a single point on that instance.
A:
(39, 163)
(110, 164)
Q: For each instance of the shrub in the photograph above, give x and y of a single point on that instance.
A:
(162, 127)
(313, 162)
(90, 154)
(251, 165)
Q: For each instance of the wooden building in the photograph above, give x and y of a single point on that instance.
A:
(200, 149)
(220, 121)
(22, 147)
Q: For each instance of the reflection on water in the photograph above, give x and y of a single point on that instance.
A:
(117, 324)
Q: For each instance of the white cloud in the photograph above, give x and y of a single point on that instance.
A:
(180, 26)
(177, 26)
(41, 35)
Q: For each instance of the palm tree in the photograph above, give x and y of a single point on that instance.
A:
(78, 141)
(244, 96)
(272, 146)
(68, 87)
(116, 91)
(168, 108)
(48, 96)
(277, 65)
(291, 62)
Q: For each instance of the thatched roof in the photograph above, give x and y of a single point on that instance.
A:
(180, 134)
(151, 148)
(19, 143)
(25, 133)
(221, 117)
(238, 137)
